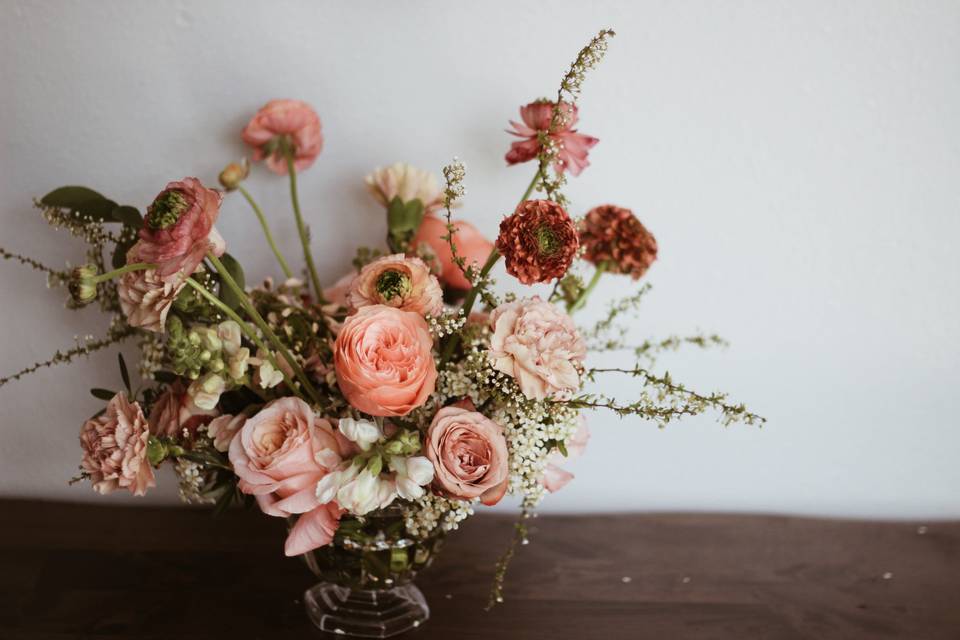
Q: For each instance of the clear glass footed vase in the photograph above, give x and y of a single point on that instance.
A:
(366, 588)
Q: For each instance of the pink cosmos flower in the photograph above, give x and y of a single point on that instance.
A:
(178, 230)
(469, 455)
(282, 122)
(537, 344)
(536, 118)
(471, 246)
(383, 360)
(279, 455)
(556, 477)
(115, 448)
(397, 281)
(404, 181)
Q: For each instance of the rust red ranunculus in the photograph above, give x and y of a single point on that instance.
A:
(614, 237)
(538, 242)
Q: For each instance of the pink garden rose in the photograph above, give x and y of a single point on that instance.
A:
(178, 229)
(383, 360)
(115, 448)
(397, 281)
(279, 456)
(556, 477)
(471, 246)
(146, 296)
(536, 118)
(537, 344)
(174, 411)
(469, 455)
(294, 121)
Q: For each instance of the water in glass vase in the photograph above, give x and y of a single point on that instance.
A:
(366, 588)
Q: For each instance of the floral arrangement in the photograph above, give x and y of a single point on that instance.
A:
(409, 385)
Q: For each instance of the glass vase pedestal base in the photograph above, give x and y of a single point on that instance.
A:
(363, 613)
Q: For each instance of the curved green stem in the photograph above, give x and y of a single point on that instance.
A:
(266, 231)
(585, 293)
(264, 328)
(302, 229)
(110, 275)
(245, 327)
(533, 183)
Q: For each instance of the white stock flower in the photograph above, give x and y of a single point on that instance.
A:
(331, 483)
(362, 432)
(413, 474)
(229, 333)
(365, 493)
(205, 392)
(269, 377)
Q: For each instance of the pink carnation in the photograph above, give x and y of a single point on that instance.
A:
(279, 456)
(115, 448)
(536, 118)
(178, 229)
(397, 281)
(537, 344)
(282, 122)
(146, 296)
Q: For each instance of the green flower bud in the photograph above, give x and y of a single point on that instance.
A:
(83, 285)
(233, 174)
(157, 450)
(375, 464)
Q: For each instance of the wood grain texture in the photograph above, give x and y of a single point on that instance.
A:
(98, 572)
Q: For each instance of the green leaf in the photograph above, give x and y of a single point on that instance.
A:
(119, 258)
(166, 377)
(102, 394)
(157, 450)
(404, 217)
(82, 200)
(124, 373)
(127, 215)
(562, 446)
(236, 272)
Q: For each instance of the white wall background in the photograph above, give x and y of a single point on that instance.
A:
(798, 162)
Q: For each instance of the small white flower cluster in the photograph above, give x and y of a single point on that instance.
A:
(446, 324)
(192, 482)
(152, 353)
(423, 516)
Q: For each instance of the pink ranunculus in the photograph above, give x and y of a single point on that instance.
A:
(291, 120)
(537, 344)
(279, 455)
(174, 411)
(471, 246)
(178, 229)
(383, 361)
(115, 448)
(469, 455)
(556, 477)
(146, 296)
(397, 281)
(536, 117)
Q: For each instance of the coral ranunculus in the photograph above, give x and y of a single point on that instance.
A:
(537, 344)
(470, 243)
(115, 448)
(469, 455)
(280, 123)
(536, 117)
(178, 229)
(397, 281)
(538, 242)
(279, 455)
(383, 361)
(614, 237)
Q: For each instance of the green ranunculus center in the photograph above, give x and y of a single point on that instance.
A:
(393, 283)
(166, 210)
(547, 241)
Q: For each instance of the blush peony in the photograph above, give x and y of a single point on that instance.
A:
(178, 229)
(397, 281)
(285, 122)
(469, 455)
(115, 449)
(537, 344)
(383, 361)
(471, 246)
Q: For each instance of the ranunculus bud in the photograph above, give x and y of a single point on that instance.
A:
(233, 174)
(83, 285)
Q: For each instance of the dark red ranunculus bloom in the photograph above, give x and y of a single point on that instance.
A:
(538, 242)
(613, 236)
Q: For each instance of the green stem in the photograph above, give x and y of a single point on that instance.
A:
(582, 298)
(244, 326)
(262, 325)
(533, 183)
(110, 275)
(266, 232)
(302, 229)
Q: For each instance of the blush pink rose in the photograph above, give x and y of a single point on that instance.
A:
(383, 361)
(537, 345)
(279, 455)
(178, 229)
(536, 117)
(397, 281)
(555, 477)
(469, 455)
(293, 120)
(174, 411)
(471, 246)
(115, 448)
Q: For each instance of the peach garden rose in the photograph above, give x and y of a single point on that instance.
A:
(383, 360)
(397, 281)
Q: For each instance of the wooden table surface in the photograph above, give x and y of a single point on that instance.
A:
(80, 571)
